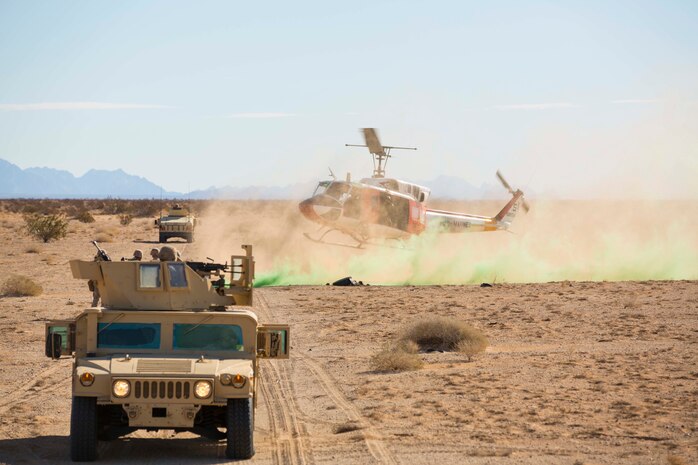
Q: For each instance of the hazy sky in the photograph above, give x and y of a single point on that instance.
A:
(576, 98)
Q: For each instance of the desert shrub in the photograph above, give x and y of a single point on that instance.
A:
(85, 216)
(440, 333)
(46, 227)
(394, 358)
(20, 286)
(125, 220)
(407, 346)
(472, 345)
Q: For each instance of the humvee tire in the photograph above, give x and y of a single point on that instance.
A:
(83, 429)
(240, 428)
(190, 238)
(162, 238)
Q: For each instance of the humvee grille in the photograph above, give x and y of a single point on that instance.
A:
(163, 366)
(162, 389)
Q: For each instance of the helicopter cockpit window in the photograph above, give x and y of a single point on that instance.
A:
(321, 187)
(336, 189)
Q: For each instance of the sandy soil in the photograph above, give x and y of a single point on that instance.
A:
(576, 372)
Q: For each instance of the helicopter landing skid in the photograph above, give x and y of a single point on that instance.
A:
(320, 240)
(360, 244)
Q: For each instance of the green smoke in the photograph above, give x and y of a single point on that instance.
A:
(580, 242)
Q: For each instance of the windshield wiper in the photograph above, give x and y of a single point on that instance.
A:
(118, 317)
(198, 324)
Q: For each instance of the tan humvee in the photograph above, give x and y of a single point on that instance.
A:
(175, 345)
(177, 223)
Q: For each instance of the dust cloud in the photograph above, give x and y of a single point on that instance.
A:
(556, 241)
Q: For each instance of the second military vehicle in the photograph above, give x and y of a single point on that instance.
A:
(174, 345)
(177, 223)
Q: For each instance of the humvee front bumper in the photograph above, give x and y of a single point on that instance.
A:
(161, 415)
(171, 234)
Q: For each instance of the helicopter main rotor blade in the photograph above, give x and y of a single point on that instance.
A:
(372, 141)
(504, 182)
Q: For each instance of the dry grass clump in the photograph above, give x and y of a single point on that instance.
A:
(436, 333)
(20, 286)
(33, 249)
(85, 216)
(439, 333)
(396, 358)
(125, 220)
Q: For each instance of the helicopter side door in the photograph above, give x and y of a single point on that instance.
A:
(383, 208)
(418, 217)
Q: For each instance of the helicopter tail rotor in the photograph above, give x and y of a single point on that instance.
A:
(508, 187)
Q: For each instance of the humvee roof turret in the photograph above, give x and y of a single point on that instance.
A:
(174, 345)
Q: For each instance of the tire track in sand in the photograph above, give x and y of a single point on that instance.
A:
(42, 385)
(284, 432)
(288, 434)
(373, 440)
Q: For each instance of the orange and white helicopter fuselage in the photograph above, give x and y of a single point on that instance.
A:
(387, 208)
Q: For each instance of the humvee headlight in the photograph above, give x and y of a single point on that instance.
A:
(202, 389)
(226, 379)
(121, 388)
(239, 381)
(87, 378)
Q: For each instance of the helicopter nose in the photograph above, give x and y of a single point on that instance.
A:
(321, 207)
(306, 208)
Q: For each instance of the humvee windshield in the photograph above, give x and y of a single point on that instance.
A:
(128, 335)
(185, 336)
(207, 337)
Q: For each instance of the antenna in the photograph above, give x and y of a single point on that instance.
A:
(380, 153)
(332, 173)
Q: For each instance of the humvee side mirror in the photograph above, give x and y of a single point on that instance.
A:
(60, 338)
(156, 222)
(54, 341)
(273, 341)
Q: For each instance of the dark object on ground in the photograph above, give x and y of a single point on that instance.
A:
(348, 281)
(485, 285)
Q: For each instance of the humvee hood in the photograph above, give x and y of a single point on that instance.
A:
(175, 220)
(157, 366)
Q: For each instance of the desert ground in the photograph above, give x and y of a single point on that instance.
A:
(592, 328)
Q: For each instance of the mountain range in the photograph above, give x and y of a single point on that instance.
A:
(16, 182)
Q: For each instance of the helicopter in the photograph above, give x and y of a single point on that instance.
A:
(380, 208)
